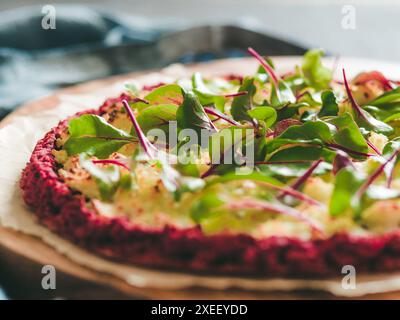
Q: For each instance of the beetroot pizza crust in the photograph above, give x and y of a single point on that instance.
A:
(65, 212)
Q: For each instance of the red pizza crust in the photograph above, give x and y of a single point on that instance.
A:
(65, 212)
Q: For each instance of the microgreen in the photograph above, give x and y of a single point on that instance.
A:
(191, 114)
(362, 117)
(93, 135)
(147, 146)
(315, 74)
(107, 178)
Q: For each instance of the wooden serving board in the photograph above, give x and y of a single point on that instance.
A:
(22, 256)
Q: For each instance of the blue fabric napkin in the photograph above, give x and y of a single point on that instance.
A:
(90, 43)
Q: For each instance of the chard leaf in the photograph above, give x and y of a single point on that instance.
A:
(281, 93)
(348, 134)
(367, 121)
(362, 117)
(281, 96)
(157, 116)
(187, 163)
(341, 132)
(205, 207)
(205, 94)
(191, 115)
(147, 146)
(242, 104)
(329, 104)
(226, 149)
(387, 98)
(315, 74)
(386, 113)
(347, 182)
(107, 178)
(176, 183)
(309, 99)
(211, 206)
(266, 114)
(306, 152)
(166, 94)
(92, 134)
(291, 170)
(254, 176)
(267, 181)
(392, 117)
(390, 148)
(310, 130)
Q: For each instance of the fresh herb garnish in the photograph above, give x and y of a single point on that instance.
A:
(147, 146)
(93, 135)
(191, 115)
(315, 74)
(107, 178)
(362, 117)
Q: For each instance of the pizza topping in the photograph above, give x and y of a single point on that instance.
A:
(267, 155)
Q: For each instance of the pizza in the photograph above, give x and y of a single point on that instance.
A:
(289, 175)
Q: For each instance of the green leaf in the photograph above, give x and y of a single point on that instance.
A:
(206, 95)
(309, 131)
(390, 148)
(386, 113)
(312, 100)
(367, 121)
(348, 134)
(329, 104)
(387, 98)
(191, 115)
(392, 117)
(98, 147)
(93, 125)
(291, 170)
(278, 143)
(308, 152)
(223, 145)
(242, 104)
(347, 182)
(107, 178)
(157, 116)
(316, 75)
(176, 183)
(266, 114)
(283, 96)
(92, 134)
(167, 94)
(254, 176)
(312, 134)
(204, 208)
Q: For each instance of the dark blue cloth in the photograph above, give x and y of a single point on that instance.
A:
(90, 43)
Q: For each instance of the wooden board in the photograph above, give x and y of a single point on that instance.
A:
(22, 256)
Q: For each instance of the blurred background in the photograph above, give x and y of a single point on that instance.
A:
(310, 22)
(49, 45)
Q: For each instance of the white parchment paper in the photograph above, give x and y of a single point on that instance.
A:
(17, 141)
